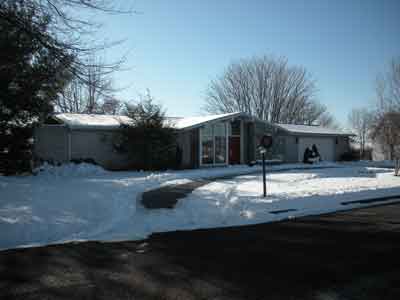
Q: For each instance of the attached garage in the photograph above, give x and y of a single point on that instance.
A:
(331, 143)
(325, 146)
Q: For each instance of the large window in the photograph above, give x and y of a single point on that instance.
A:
(207, 145)
(213, 144)
(220, 143)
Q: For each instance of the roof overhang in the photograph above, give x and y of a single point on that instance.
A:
(311, 131)
(197, 122)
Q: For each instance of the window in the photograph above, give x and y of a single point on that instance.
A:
(213, 144)
(235, 128)
(220, 143)
(207, 145)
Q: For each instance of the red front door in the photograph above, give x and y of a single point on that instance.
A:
(234, 150)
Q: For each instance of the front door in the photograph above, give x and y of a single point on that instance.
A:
(234, 150)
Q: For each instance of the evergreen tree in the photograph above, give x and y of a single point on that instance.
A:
(149, 141)
(31, 77)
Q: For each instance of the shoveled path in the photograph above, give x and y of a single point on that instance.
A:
(168, 196)
(347, 255)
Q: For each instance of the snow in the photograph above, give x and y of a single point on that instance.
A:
(306, 129)
(92, 121)
(85, 202)
(374, 163)
(69, 170)
(191, 122)
(302, 192)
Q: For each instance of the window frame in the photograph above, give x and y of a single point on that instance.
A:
(214, 163)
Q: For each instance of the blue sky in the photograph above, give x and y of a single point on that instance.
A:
(176, 47)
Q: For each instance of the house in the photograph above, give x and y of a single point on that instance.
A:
(67, 137)
(213, 140)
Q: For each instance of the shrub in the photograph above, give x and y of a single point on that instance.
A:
(351, 155)
(148, 141)
(16, 150)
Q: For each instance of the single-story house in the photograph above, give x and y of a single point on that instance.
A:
(213, 140)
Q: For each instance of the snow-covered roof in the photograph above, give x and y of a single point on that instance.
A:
(193, 122)
(311, 129)
(92, 121)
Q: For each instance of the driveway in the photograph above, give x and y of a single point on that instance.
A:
(347, 255)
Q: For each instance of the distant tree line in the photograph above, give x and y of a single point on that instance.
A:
(380, 125)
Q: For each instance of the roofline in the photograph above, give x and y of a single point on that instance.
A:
(223, 118)
(311, 133)
(85, 127)
(318, 134)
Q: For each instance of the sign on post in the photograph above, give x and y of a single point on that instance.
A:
(265, 143)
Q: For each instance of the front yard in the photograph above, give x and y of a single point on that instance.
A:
(341, 256)
(82, 202)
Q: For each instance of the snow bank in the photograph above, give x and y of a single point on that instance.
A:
(69, 170)
(373, 164)
(85, 202)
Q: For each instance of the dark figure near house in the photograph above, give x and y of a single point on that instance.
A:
(315, 153)
(307, 156)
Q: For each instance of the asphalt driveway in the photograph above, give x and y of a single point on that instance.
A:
(349, 255)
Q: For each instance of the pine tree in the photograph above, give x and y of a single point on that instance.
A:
(149, 141)
(31, 77)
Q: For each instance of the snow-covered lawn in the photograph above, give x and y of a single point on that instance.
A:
(298, 192)
(83, 202)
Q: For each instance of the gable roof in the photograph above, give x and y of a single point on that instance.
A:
(311, 130)
(91, 121)
(194, 122)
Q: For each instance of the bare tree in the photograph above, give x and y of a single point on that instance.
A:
(269, 89)
(361, 121)
(386, 132)
(72, 99)
(111, 106)
(386, 125)
(95, 95)
(69, 38)
(99, 85)
(388, 87)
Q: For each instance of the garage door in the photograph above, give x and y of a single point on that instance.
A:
(326, 147)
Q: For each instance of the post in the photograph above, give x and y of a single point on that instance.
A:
(264, 179)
